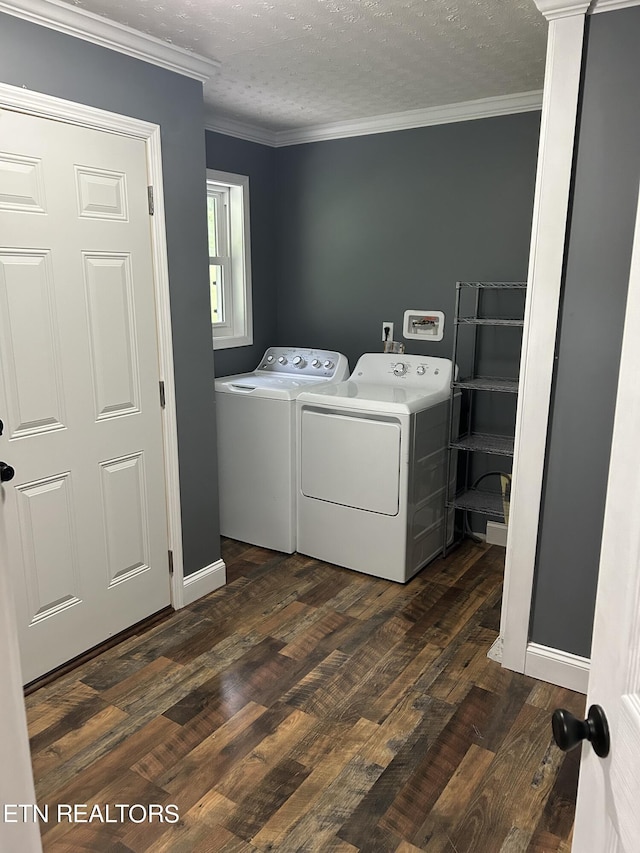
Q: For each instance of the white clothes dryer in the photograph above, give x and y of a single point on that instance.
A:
(256, 439)
(372, 466)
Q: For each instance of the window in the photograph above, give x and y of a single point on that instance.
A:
(229, 259)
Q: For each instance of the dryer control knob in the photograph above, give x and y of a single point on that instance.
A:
(299, 361)
(399, 369)
(282, 359)
(421, 370)
(328, 365)
(316, 363)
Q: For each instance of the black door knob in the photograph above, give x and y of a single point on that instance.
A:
(569, 731)
(6, 472)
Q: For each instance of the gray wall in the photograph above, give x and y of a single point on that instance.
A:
(373, 225)
(47, 61)
(588, 351)
(369, 226)
(258, 162)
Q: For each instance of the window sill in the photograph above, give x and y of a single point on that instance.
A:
(232, 341)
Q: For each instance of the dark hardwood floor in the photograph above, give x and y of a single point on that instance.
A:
(305, 707)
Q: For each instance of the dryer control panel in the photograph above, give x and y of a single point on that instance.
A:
(307, 363)
(420, 371)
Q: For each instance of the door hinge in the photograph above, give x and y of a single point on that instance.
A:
(170, 562)
(150, 196)
(163, 399)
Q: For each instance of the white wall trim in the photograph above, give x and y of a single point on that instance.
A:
(551, 203)
(553, 9)
(82, 24)
(240, 130)
(165, 345)
(204, 581)
(561, 668)
(446, 114)
(497, 532)
(45, 106)
(469, 110)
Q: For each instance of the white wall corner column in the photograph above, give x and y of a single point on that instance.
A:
(550, 215)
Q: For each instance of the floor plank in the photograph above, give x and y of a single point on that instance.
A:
(304, 707)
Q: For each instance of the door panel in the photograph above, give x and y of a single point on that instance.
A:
(109, 290)
(21, 183)
(607, 815)
(101, 195)
(624, 773)
(51, 570)
(125, 518)
(86, 512)
(29, 344)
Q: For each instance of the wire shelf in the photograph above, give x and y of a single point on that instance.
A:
(494, 285)
(501, 445)
(473, 500)
(477, 309)
(488, 383)
(490, 321)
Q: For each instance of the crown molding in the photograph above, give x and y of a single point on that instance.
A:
(523, 102)
(466, 111)
(240, 130)
(611, 5)
(94, 28)
(553, 9)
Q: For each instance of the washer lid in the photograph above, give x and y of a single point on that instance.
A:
(283, 372)
(266, 386)
(372, 397)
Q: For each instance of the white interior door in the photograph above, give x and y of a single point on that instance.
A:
(608, 809)
(16, 777)
(85, 514)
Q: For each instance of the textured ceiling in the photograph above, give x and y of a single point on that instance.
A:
(290, 64)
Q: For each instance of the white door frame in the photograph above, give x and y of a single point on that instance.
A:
(548, 238)
(550, 212)
(46, 106)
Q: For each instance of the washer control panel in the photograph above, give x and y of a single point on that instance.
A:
(307, 363)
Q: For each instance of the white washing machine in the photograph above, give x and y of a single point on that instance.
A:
(255, 417)
(372, 466)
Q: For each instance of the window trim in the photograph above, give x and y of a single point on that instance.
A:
(237, 328)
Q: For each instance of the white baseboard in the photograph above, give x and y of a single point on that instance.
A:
(556, 667)
(497, 533)
(495, 652)
(204, 581)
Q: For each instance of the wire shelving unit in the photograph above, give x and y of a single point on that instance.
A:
(463, 441)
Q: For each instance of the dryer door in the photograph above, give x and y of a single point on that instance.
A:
(349, 460)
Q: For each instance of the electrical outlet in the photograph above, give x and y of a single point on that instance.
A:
(387, 331)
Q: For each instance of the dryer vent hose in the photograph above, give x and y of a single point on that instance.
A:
(506, 498)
